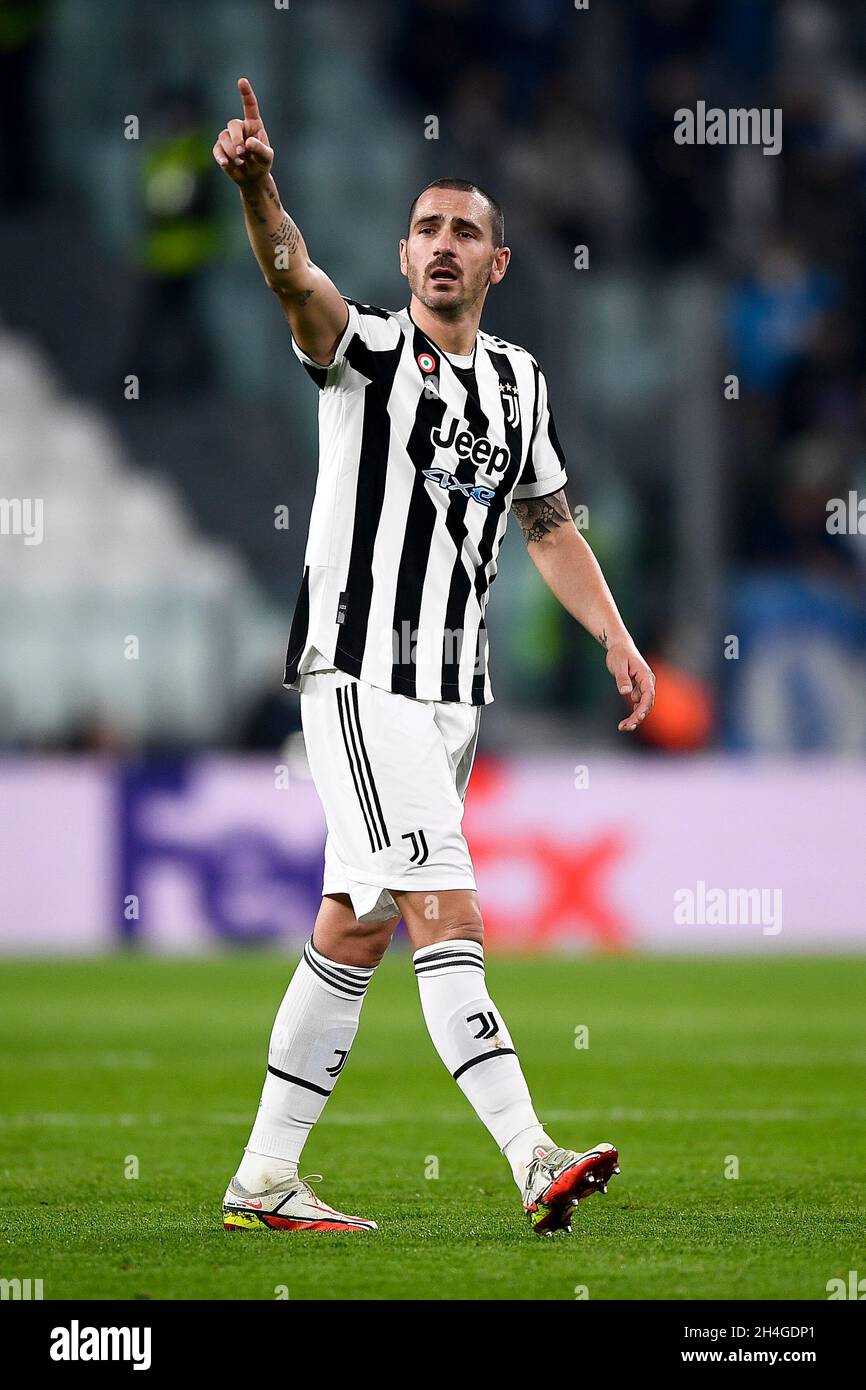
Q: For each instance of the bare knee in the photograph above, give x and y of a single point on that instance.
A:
(372, 940)
(440, 917)
(464, 929)
(363, 946)
(341, 937)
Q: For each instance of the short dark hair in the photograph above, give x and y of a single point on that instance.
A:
(497, 216)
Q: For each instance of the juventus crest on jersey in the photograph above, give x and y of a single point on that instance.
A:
(420, 459)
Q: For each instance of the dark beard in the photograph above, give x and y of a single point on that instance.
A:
(455, 310)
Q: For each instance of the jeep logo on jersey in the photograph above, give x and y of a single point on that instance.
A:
(494, 457)
(474, 491)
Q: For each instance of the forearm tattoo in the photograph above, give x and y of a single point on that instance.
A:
(253, 199)
(286, 237)
(254, 203)
(540, 516)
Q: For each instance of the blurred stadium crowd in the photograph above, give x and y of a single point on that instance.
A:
(148, 393)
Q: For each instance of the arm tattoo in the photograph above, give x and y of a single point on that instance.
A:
(286, 237)
(539, 516)
(252, 198)
(602, 638)
(253, 204)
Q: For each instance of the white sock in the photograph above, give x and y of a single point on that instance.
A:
(259, 1172)
(521, 1151)
(312, 1036)
(475, 1045)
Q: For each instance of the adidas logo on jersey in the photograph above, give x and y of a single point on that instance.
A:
(466, 445)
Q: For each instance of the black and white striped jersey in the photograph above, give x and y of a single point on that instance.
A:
(419, 462)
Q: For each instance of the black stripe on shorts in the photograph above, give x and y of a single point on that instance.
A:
(359, 766)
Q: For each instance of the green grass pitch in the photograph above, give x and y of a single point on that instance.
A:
(689, 1062)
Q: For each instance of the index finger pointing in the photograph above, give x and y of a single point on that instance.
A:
(248, 97)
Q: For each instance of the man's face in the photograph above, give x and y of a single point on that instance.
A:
(448, 257)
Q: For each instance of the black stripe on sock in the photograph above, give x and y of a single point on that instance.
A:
(446, 954)
(351, 991)
(352, 974)
(444, 966)
(424, 967)
(484, 1057)
(472, 947)
(299, 1081)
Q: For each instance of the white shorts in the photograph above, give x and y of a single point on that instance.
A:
(391, 773)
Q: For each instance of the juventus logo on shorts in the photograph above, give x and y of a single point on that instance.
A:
(510, 403)
(419, 846)
(489, 1026)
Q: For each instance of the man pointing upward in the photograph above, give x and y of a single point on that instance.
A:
(432, 433)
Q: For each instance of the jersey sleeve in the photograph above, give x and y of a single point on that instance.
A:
(544, 470)
(369, 331)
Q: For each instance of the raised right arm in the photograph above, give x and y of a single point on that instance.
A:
(311, 302)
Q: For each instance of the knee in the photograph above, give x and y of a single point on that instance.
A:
(371, 940)
(361, 944)
(433, 918)
(467, 925)
(378, 941)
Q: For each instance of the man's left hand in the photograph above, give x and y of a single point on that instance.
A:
(634, 680)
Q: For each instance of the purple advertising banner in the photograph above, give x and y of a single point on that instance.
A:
(689, 856)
